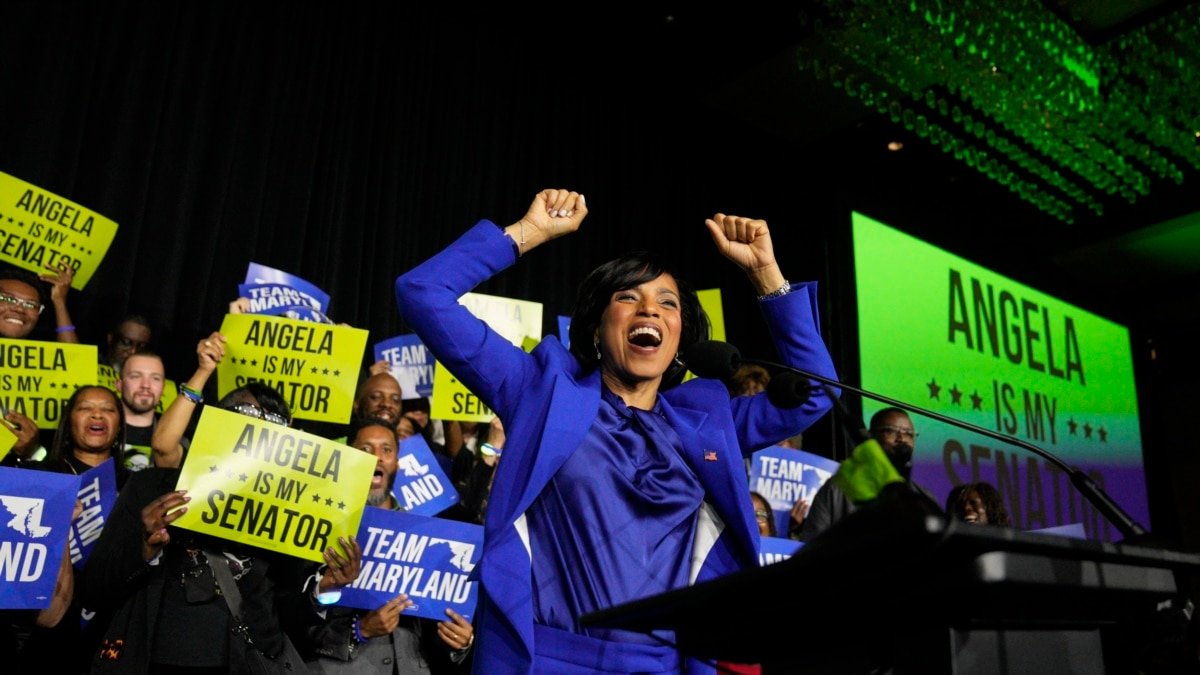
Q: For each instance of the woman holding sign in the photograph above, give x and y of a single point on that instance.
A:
(614, 485)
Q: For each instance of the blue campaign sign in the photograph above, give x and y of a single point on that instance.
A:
(279, 300)
(785, 475)
(412, 364)
(421, 486)
(261, 275)
(97, 493)
(776, 549)
(35, 511)
(428, 559)
(564, 330)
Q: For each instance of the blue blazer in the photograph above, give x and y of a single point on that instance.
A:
(548, 404)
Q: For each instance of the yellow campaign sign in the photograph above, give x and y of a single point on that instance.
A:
(37, 378)
(271, 486)
(8, 438)
(518, 321)
(39, 229)
(452, 400)
(710, 302)
(106, 376)
(313, 365)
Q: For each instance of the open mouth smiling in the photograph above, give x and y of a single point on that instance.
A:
(645, 337)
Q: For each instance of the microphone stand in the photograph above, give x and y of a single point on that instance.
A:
(1129, 528)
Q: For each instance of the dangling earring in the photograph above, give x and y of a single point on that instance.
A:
(596, 344)
(679, 362)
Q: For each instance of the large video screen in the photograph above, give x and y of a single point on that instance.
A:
(945, 334)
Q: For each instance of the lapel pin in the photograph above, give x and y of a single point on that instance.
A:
(710, 455)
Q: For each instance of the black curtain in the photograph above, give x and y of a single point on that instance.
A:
(346, 144)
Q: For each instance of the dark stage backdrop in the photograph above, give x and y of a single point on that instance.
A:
(347, 145)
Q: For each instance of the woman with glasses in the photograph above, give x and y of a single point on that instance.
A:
(170, 613)
(22, 300)
(612, 488)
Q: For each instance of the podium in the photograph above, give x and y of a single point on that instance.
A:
(902, 589)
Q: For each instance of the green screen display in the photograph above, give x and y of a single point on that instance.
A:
(945, 334)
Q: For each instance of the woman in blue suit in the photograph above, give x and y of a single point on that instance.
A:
(613, 486)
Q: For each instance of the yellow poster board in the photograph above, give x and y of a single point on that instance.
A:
(37, 378)
(106, 376)
(271, 486)
(40, 230)
(314, 366)
(517, 321)
(8, 438)
(710, 302)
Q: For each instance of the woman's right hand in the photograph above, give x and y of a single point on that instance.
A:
(156, 516)
(384, 620)
(552, 214)
(209, 352)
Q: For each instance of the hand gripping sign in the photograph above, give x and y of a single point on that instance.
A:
(428, 559)
(272, 486)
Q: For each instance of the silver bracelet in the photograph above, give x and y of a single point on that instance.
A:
(778, 292)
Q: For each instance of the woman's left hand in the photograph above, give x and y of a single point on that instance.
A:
(341, 570)
(747, 242)
(457, 633)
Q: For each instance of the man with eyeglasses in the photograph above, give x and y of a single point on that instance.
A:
(893, 430)
(22, 300)
(130, 336)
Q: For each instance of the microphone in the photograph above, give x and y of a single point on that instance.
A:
(713, 359)
(788, 390)
(720, 360)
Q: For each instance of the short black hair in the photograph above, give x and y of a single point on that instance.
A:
(64, 440)
(268, 397)
(359, 423)
(28, 278)
(629, 271)
(877, 418)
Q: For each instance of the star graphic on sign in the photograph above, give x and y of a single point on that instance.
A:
(1087, 431)
(324, 371)
(976, 401)
(243, 477)
(254, 362)
(213, 469)
(316, 498)
(245, 361)
(337, 373)
(934, 389)
(1103, 434)
(328, 501)
(341, 506)
(229, 475)
(1072, 426)
(314, 370)
(956, 395)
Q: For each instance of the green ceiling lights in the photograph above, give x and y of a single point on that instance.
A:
(1012, 91)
